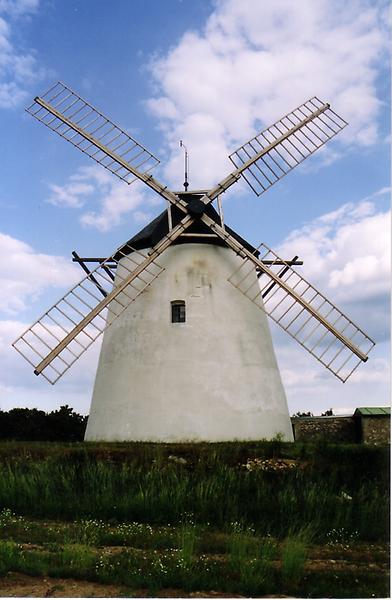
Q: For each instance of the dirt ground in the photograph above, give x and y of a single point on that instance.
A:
(17, 585)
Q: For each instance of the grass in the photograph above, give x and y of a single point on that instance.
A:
(293, 562)
(247, 564)
(238, 518)
(214, 487)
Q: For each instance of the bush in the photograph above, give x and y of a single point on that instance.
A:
(36, 425)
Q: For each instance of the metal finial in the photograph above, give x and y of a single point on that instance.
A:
(186, 184)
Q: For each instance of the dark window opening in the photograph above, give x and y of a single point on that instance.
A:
(178, 311)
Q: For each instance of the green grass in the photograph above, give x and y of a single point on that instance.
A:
(293, 562)
(163, 492)
(248, 564)
(128, 514)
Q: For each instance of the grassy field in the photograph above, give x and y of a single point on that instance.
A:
(251, 519)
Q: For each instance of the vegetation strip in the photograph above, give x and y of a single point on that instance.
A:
(249, 519)
(187, 556)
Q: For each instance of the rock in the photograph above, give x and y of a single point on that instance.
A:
(177, 459)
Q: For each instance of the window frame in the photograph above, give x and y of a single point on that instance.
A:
(177, 312)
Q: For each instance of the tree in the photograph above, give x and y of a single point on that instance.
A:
(303, 414)
(31, 424)
(327, 413)
(66, 425)
(24, 424)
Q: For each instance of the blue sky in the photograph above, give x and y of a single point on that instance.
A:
(212, 74)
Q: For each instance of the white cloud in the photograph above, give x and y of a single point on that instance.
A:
(113, 199)
(310, 387)
(70, 194)
(18, 7)
(347, 256)
(346, 252)
(115, 202)
(20, 387)
(18, 68)
(25, 274)
(254, 61)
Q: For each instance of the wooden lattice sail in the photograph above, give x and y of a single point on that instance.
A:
(67, 329)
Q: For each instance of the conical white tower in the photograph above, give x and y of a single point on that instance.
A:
(190, 359)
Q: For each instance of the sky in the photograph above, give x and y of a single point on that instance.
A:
(213, 74)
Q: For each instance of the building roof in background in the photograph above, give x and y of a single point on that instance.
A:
(373, 411)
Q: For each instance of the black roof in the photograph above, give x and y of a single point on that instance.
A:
(150, 235)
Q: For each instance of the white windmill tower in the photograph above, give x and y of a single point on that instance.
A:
(187, 353)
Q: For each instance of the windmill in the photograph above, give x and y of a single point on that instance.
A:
(187, 353)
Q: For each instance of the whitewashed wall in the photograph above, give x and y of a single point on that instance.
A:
(212, 378)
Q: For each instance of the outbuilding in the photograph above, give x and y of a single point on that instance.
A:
(373, 424)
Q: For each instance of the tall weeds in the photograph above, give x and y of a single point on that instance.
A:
(212, 486)
(293, 562)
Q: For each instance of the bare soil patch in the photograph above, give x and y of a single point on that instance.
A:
(16, 585)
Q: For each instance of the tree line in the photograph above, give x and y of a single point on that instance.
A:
(62, 425)
(327, 413)
(31, 424)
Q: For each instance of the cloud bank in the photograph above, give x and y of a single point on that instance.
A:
(26, 275)
(255, 61)
(347, 256)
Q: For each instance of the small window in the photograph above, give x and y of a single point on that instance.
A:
(178, 311)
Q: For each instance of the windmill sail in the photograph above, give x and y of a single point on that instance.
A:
(52, 347)
(54, 342)
(274, 152)
(65, 331)
(303, 312)
(74, 119)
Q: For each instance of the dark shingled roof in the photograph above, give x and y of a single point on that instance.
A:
(159, 227)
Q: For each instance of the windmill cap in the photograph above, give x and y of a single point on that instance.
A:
(152, 233)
